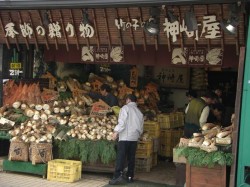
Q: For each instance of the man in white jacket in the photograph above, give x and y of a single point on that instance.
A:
(129, 130)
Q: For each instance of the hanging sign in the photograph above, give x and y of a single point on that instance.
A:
(103, 54)
(197, 57)
(133, 77)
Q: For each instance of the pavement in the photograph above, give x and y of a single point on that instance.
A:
(13, 179)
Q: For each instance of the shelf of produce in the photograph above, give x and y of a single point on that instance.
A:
(25, 167)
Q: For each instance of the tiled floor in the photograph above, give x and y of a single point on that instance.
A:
(164, 173)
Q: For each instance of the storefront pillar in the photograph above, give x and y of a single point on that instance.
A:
(243, 167)
(1, 74)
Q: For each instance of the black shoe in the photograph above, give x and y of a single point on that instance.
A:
(116, 180)
(130, 180)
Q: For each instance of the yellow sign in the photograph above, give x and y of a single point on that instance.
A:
(15, 65)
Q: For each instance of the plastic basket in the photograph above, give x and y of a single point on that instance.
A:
(143, 164)
(153, 128)
(144, 149)
(64, 170)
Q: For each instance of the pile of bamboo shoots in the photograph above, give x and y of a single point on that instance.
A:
(92, 128)
(33, 131)
(211, 136)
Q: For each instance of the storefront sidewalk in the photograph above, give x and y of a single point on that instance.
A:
(11, 179)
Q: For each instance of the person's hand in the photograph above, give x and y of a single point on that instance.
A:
(114, 136)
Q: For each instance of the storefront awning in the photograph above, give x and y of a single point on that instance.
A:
(19, 4)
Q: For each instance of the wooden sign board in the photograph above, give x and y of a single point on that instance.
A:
(175, 77)
(100, 108)
(133, 77)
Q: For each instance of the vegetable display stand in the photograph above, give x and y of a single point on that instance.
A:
(25, 167)
(204, 176)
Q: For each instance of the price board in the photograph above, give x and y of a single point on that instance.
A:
(100, 108)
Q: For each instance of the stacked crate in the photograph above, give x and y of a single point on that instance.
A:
(169, 138)
(143, 161)
(153, 129)
(171, 126)
(171, 120)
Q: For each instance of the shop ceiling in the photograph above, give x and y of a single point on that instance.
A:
(102, 19)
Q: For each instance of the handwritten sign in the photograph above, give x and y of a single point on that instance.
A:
(100, 108)
(133, 77)
(196, 56)
(172, 77)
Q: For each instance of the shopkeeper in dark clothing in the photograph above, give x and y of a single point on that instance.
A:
(128, 130)
(197, 113)
(105, 95)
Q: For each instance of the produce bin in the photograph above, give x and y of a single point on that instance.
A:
(64, 170)
(204, 176)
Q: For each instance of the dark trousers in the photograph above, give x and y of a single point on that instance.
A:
(126, 150)
(189, 129)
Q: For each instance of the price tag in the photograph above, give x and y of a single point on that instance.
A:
(15, 65)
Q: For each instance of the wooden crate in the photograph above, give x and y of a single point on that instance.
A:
(203, 176)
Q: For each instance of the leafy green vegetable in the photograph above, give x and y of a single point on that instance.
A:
(86, 150)
(198, 157)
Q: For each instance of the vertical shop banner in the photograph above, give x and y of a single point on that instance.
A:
(102, 54)
(15, 66)
(134, 77)
(172, 77)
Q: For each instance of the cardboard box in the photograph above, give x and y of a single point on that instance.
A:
(178, 159)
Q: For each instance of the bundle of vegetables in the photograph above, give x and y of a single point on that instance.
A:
(86, 150)
(93, 128)
(198, 157)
